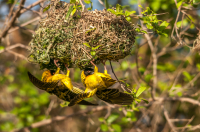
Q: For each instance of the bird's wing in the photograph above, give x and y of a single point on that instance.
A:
(77, 99)
(77, 90)
(40, 84)
(82, 96)
(106, 94)
(108, 81)
(67, 95)
(113, 96)
(123, 99)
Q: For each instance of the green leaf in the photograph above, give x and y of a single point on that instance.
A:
(93, 53)
(198, 66)
(1, 48)
(129, 114)
(86, 44)
(10, 1)
(149, 26)
(164, 34)
(180, 94)
(73, 1)
(140, 6)
(104, 127)
(87, 1)
(132, 65)
(128, 18)
(116, 127)
(145, 100)
(90, 30)
(93, 48)
(69, 12)
(64, 104)
(74, 10)
(89, 8)
(127, 13)
(179, 4)
(187, 76)
(163, 25)
(183, 22)
(112, 11)
(155, 5)
(140, 91)
(124, 65)
(46, 8)
(143, 31)
(138, 100)
(119, 13)
(101, 119)
(124, 120)
(142, 70)
(118, 8)
(112, 118)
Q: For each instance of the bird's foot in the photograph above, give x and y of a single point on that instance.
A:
(104, 63)
(92, 63)
(55, 62)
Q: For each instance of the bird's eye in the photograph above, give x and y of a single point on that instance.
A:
(52, 72)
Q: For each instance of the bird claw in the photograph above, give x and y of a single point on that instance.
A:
(104, 63)
(66, 65)
(92, 63)
(55, 62)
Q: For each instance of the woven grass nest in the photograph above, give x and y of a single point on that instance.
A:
(80, 38)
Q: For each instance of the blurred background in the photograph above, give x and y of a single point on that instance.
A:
(168, 65)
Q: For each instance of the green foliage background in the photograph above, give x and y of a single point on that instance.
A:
(22, 104)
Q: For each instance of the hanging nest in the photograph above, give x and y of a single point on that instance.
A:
(80, 37)
(196, 44)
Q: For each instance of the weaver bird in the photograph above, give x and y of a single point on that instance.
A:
(93, 81)
(61, 91)
(51, 76)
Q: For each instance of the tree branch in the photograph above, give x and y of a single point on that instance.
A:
(12, 21)
(60, 118)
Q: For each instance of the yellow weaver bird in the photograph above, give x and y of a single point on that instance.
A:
(51, 76)
(49, 83)
(93, 81)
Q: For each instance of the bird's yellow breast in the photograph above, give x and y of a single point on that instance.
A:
(94, 81)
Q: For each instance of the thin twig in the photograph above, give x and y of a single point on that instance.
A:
(17, 55)
(83, 6)
(189, 128)
(121, 84)
(101, 2)
(30, 6)
(26, 23)
(154, 56)
(168, 120)
(14, 46)
(175, 27)
(187, 124)
(16, 14)
(182, 99)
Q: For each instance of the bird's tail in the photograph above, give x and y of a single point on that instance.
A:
(122, 99)
(113, 96)
(40, 84)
